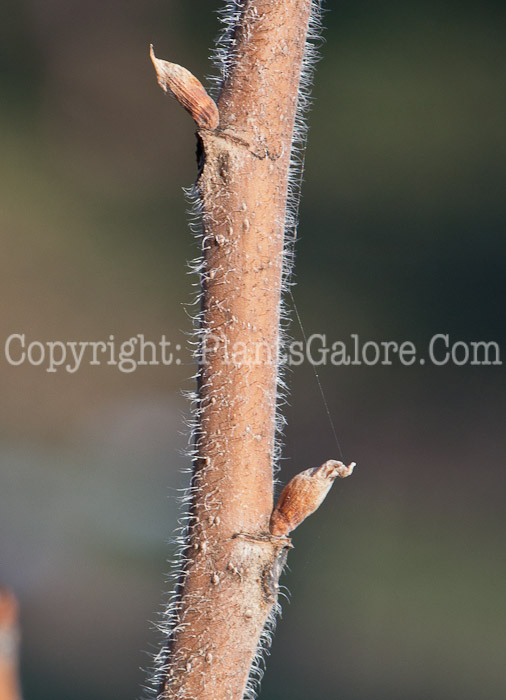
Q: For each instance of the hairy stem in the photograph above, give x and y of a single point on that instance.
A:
(232, 564)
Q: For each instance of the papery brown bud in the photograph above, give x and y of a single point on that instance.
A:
(304, 494)
(187, 90)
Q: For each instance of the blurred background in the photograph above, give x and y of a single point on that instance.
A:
(397, 584)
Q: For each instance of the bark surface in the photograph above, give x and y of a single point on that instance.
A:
(232, 563)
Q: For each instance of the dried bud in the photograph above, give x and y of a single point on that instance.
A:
(304, 494)
(188, 91)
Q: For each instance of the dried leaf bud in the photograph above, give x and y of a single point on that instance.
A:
(304, 494)
(188, 91)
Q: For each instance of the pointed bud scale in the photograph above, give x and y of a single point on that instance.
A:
(188, 91)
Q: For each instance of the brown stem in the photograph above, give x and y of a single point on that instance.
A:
(232, 563)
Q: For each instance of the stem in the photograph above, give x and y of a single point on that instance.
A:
(228, 587)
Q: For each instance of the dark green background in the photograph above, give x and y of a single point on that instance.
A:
(397, 584)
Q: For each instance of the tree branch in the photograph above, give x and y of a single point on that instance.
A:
(231, 561)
